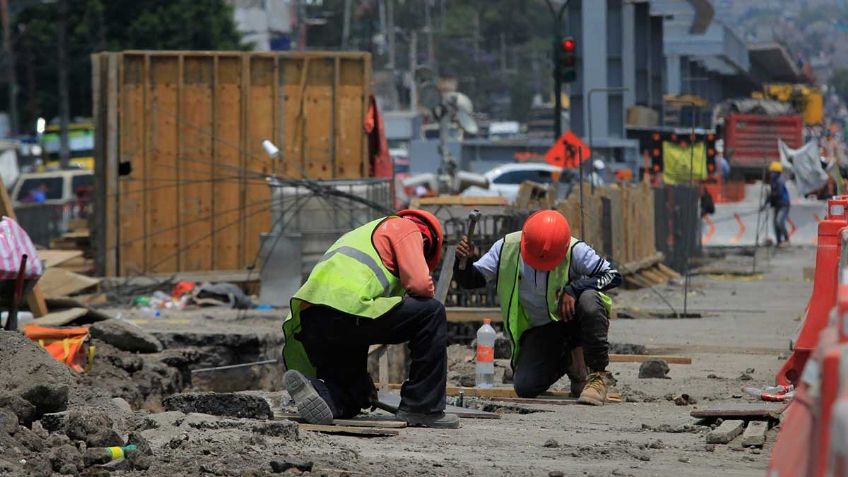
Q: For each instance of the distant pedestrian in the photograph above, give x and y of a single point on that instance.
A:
(597, 177)
(778, 199)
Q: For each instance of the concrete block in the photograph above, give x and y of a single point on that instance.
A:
(220, 404)
(726, 432)
(125, 336)
(755, 434)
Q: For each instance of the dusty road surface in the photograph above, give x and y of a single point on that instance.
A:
(746, 325)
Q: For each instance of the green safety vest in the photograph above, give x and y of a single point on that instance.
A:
(350, 278)
(515, 319)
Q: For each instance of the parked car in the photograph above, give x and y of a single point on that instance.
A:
(505, 180)
(45, 202)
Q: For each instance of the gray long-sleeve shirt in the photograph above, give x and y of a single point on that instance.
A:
(587, 271)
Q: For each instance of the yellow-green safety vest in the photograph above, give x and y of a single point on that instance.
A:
(350, 278)
(515, 319)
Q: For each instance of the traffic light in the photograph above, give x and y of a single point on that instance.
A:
(567, 60)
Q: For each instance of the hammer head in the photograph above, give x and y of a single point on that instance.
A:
(473, 218)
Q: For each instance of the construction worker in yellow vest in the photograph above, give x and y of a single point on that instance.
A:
(550, 286)
(372, 286)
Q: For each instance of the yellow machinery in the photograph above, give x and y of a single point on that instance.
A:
(807, 100)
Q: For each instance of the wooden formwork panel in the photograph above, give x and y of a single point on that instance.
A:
(187, 138)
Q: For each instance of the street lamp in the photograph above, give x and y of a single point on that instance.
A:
(557, 16)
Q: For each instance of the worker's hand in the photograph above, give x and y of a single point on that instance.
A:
(464, 249)
(566, 306)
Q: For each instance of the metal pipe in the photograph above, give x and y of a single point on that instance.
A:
(617, 89)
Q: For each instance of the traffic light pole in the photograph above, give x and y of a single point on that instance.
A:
(557, 16)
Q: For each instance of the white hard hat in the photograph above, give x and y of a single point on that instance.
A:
(599, 164)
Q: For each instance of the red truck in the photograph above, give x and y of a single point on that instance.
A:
(750, 140)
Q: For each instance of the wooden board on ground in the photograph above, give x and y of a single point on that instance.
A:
(379, 421)
(639, 358)
(350, 430)
(393, 399)
(54, 258)
(57, 282)
(612, 397)
(61, 318)
(749, 410)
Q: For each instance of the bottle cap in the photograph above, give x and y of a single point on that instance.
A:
(487, 321)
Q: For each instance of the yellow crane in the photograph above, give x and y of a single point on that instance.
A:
(807, 100)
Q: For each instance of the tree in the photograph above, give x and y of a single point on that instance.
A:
(840, 82)
(114, 25)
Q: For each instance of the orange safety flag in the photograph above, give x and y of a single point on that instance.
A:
(566, 151)
(67, 345)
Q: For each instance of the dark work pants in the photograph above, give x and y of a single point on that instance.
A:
(545, 352)
(780, 215)
(337, 344)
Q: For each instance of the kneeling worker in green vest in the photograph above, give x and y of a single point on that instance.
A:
(372, 286)
(550, 286)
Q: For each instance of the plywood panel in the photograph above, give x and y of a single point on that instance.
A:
(195, 197)
(196, 169)
(133, 124)
(227, 219)
(259, 128)
(162, 210)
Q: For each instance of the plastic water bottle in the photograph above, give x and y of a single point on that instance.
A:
(486, 355)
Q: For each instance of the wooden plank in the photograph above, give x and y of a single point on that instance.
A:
(257, 218)
(57, 282)
(317, 118)
(352, 101)
(195, 168)
(643, 263)
(378, 421)
(749, 410)
(552, 401)
(134, 122)
(162, 215)
(292, 71)
(54, 258)
(393, 399)
(668, 270)
(462, 315)
(61, 318)
(349, 430)
(228, 204)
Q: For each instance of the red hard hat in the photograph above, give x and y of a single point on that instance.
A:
(432, 231)
(545, 239)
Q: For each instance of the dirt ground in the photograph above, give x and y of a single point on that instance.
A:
(745, 330)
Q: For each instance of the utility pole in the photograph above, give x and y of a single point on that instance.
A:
(431, 52)
(64, 106)
(346, 25)
(413, 66)
(556, 33)
(503, 52)
(390, 30)
(11, 75)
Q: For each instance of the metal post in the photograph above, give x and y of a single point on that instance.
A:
(346, 25)
(64, 100)
(558, 16)
(11, 75)
(580, 172)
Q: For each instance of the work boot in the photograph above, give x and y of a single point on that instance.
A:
(438, 420)
(310, 405)
(595, 392)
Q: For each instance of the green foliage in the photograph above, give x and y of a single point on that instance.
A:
(98, 25)
(840, 82)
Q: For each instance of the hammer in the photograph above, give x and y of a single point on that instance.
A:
(473, 218)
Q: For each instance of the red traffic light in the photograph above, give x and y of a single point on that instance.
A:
(568, 45)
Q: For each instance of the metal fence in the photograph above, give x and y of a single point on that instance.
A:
(307, 217)
(676, 224)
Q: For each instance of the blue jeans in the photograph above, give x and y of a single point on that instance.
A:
(781, 213)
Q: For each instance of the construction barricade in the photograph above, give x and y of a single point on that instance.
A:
(823, 298)
(812, 440)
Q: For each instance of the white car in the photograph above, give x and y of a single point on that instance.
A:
(505, 180)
